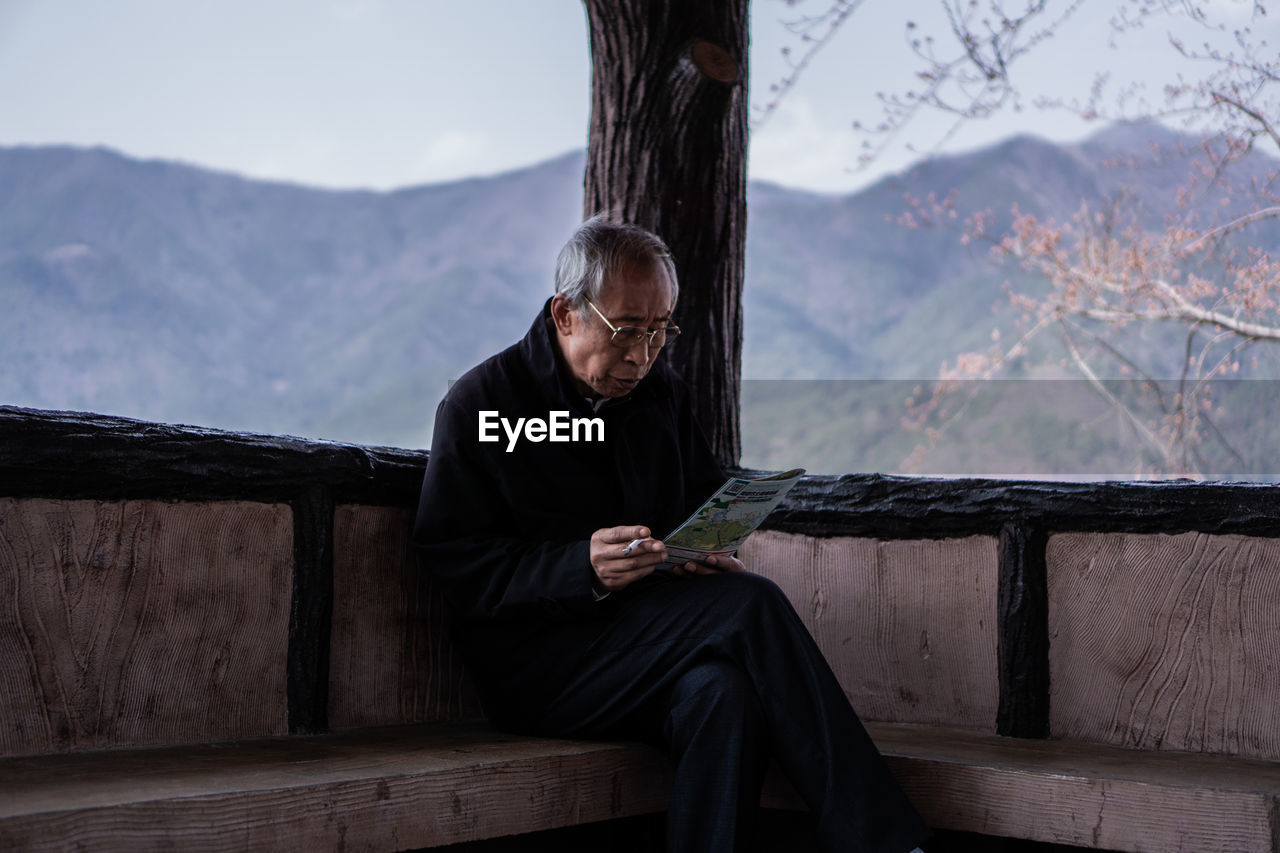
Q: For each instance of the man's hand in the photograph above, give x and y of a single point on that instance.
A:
(615, 569)
(711, 566)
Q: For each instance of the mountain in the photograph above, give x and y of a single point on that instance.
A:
(167, 292)
(178, 294)
(837, 288)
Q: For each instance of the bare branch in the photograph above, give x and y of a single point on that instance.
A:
(1143, 431)
(1236, 224)
(828, 23)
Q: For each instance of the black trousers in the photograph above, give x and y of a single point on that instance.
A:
(720, 671)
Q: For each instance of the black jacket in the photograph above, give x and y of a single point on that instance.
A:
(506, 533)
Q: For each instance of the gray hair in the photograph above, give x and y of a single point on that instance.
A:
(600, 248)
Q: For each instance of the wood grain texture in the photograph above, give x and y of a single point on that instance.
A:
(141, 622)
(82, 456)
(887, 507)
(390, 658)
(1023, 605)
(391, 788)
(86, 456)
(908, 626)
(1085, 794)
(1166, 642)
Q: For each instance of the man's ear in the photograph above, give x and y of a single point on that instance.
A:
(562, 314)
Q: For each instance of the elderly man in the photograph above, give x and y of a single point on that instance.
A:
(548, 461)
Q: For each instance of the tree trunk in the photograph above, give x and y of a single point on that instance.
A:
(668, 151)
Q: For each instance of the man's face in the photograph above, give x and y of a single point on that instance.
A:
(635, 296)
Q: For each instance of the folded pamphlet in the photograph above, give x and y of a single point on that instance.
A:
(720, 525)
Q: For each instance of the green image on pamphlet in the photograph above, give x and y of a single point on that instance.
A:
(721, 524)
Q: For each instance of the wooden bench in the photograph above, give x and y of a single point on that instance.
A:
(216, 642)
(404, 787)
(1140, 668)
(385, 788)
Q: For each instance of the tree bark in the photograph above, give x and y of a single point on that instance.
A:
(668, 151)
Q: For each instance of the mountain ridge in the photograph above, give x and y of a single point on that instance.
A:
(170, 292)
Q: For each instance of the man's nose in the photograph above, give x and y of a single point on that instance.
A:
(639, 352)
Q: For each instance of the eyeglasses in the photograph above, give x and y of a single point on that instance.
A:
(625, 337)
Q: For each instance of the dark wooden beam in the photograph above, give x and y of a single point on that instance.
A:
(80, 455)
(311, 612)
(917, 507)
(76, 455)
(1023, 643)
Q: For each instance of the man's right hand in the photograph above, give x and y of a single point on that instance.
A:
(615, 570)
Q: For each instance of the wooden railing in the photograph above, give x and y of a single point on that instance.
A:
(1082, 663)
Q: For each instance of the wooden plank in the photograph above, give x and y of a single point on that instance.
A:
(1085, 794)
(141, 622)
(311, 612)
(390, 661)
(908, 626)
(78, 455)
(86, 456)
(1166, 642)
(1023, 632)
(915, 507)
(392, 788)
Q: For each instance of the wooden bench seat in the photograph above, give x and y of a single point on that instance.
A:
(403, 787)
(391, 788)
(1069, 792)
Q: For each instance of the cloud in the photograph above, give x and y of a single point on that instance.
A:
(452, 153)
(800, 146)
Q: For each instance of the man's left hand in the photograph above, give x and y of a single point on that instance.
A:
(711, 566)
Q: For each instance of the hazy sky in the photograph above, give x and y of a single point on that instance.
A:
(391, 93)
